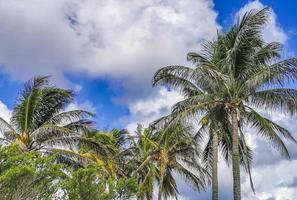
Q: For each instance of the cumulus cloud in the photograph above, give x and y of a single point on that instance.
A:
(275, 181)
(122, 39)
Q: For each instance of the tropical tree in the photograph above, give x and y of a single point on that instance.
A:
(39, 122)
(34, 176)
(31, 176)
(105, 149)
(246, 74)
(113, 161)
(170, 151)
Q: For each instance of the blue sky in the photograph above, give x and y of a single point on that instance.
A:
(107, 51)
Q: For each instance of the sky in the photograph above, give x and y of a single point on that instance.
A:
(107, 52)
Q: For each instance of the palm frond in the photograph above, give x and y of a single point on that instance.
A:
(74, 141)
(197, 182)
(70, 116)
(49, 131)
(270, 131)
(68, 157)
(80, 126)
(282, 99)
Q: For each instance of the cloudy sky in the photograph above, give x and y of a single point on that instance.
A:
(107, 51)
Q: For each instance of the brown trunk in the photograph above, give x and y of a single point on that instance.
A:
(162, 170)
(235, 156)
(215, 187)
(160, 187)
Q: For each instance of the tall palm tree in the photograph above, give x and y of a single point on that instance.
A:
(172, 150)
(246, 74)
(39, 122)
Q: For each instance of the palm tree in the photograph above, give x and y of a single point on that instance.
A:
(171, 150)
(246, 74)
(113, 160)
(39, 122)
(105, 149)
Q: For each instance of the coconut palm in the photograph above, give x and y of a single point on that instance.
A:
(39, 122)
(252, 80)
(172, 150)
(247, 75)
(105, 149)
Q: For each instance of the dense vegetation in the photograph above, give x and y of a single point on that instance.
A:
(48, 152)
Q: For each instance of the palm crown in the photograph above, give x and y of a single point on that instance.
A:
(39, 122)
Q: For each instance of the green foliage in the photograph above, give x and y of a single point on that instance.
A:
(28, 176)
(89, 183)
(39, 122)
(32, 176)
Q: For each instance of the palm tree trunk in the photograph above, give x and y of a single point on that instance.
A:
(160, 189)
(215, 188)
(161, 183)
(235, 156)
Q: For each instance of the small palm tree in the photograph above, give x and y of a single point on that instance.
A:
(114, 158)
(39, 122)
(172, 151)
(244, 74)
(105, 149)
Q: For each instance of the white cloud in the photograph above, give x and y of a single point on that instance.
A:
(86, 105)
(146, 110)
(273, 32)
(126, 39)
(5, 113)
